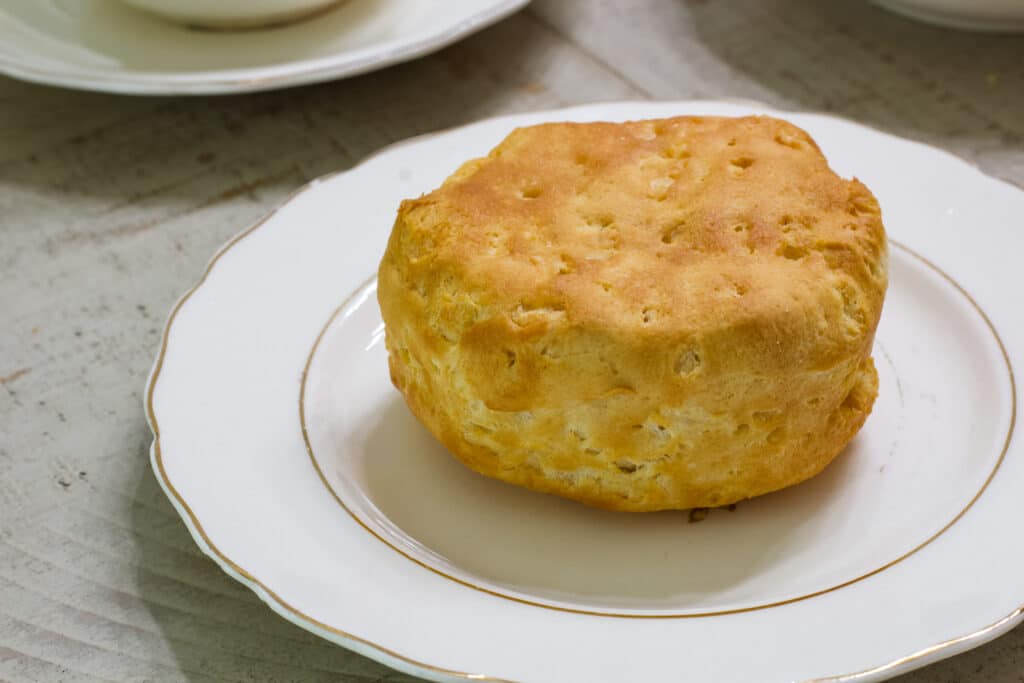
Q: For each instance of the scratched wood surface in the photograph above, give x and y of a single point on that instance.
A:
(110, 207)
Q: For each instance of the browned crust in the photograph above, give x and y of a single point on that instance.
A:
(649, 315)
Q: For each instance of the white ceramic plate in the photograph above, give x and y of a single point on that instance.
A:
(108, 46)
(297, 467)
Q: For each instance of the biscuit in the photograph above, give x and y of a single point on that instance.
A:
(650, 315)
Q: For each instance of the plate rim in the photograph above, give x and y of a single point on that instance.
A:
(255, 79)
(388, 657)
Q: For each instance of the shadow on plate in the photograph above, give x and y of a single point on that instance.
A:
(548, 547)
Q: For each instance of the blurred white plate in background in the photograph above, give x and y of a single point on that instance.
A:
(109, 46)
(999, 16)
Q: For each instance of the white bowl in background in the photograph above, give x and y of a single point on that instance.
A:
(999, 16)
(231, 13)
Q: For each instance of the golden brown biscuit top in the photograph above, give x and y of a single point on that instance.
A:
(669, 227)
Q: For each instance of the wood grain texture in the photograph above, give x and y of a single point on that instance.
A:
(111, 206)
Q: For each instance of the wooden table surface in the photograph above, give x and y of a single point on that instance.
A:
(110, 207)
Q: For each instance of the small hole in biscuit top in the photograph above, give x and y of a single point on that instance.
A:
(510, 358)
(776, 435)
(742, 428)
(793, 253)
(732, 143)
(626, 466)
(679, 150)
(598, 223)
(740, 227)
(742, 162)
(530, 192)
(648, 315)
(688, 362)
(668, 235)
